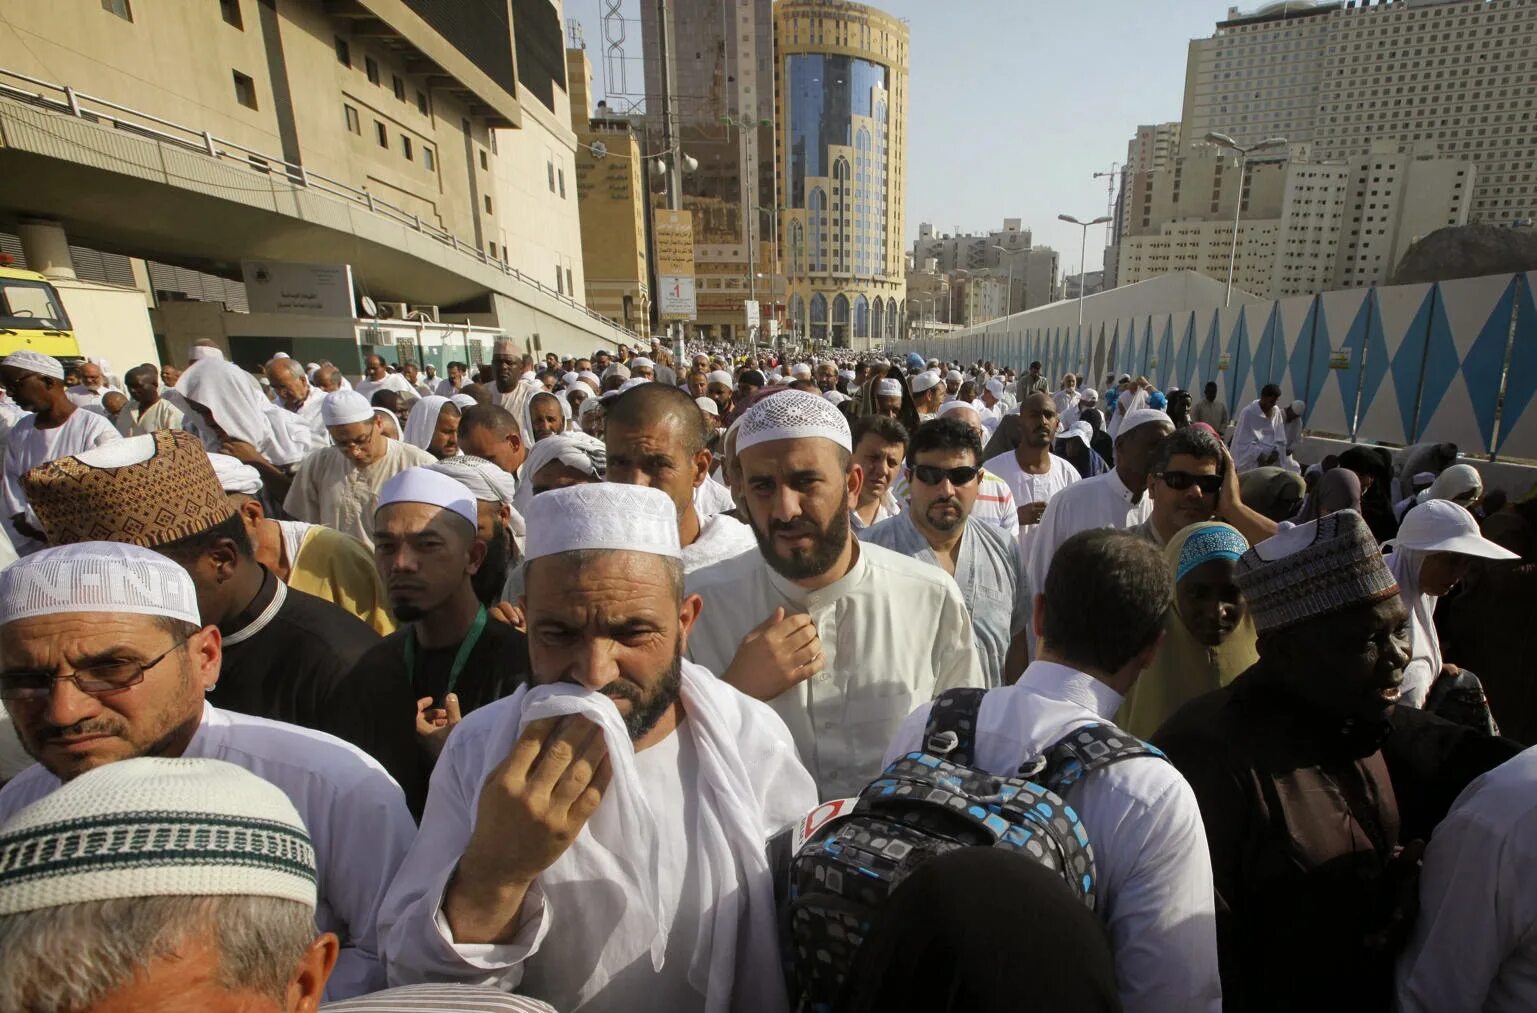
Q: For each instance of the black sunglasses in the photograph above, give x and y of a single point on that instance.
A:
(930, 474)
(1179, 481)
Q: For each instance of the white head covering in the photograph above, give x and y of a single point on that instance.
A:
(718, 376)
(97, 577)
(1439, 525)
(617, 369)
(243, 411)
(1299, 407)
(591, 378)
(484, 480)
(708, 406)
(888, 387)
(923, 381)
(632, 383)
(950, 407)
(603, 515)
(994, 387)
(423, 485)
(1458, 481)
(391, 423)
(835, 397)
(954, 374)
(215, 830)
(525, 413)
(463, 400)
(570, 379)
(1088, 396)
(793, 415)
(345, 407)
(845, 374)
(575, 450)
(422, 423)
(800, 369)
(1139, 417)
(235, 475)
(35, 362)
(1080, 431)
(201, 352)
(641, 362)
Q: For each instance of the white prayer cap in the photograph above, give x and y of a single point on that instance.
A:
(954, 406)
(845, 374)
(995, 387)
(590, 377)
(1080, 431)
(954, 374)
(793, 415)
(156, 827)
(235, 475)
(344, 407)
(423, 485)
(280, 355)
(708, 406)
(800, 369)
(835, 397)
(1138, 417)
(97, 577)
(463, 401)
(1439, 525)
(602, 515)
(632, 383)
(484, 480)
(503, 344)
(570, 379)
(923, 381)
(1298, 407)
(641, 362)
(1088, 395)
(35, 362)
(888, 387)
(200, 352)
(617, 369)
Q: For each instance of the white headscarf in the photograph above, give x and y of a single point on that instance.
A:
(526, 413)
(1424, 646)
(576, 450)
(239, 407)
(422, 423)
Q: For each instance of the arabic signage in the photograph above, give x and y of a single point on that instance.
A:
(317, 290)
(675, 243)
(676, 299)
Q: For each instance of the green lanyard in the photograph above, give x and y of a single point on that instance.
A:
(463, 655)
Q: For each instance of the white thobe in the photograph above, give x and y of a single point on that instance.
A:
(1256, 434)
(1064, 399)
(356, 816)
(711, 498)
(1029, 488)
(392, 381)
(894, 633)
(1099, 502)
(584, 931)
(131, 421)
(28, 446)
(84, 397)
(310, 414)
(1474, 945)
(720, 537)
(329, 489)
(1151, 864)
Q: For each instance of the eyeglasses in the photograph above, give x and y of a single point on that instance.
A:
(930, 474)
(95, 680)
(1179, 481)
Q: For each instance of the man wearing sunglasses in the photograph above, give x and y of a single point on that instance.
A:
(104, 656)
(1191, 479)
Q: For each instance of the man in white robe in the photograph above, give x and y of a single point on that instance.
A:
(338, 486)
(377, 377)
(298, 395)
(842, 639)
(598, 840)
(1259, 435)
(1034, 474)
(148, 410)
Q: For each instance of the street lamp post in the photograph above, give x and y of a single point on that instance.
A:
(1224, 141)
(1083, 246)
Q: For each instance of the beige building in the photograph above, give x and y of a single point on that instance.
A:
(841, 76)
(429, 146)
(1030, 272)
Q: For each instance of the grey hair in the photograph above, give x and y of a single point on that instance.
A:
(75, 955)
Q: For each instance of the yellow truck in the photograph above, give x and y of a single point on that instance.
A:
(32, 316)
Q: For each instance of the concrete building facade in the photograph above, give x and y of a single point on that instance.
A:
(1030, 272)
(841, 84)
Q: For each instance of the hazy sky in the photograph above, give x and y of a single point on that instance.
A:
(1013, 105)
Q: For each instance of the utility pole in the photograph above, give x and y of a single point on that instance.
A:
(672, 154)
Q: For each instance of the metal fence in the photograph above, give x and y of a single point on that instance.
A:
(1453, 361)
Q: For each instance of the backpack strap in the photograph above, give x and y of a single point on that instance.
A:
(1087, 749)
(951, 731)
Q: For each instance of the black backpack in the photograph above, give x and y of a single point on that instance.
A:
(923, 805)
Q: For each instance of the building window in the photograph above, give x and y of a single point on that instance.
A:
(428, 160)
(399, 85)
(118, 7)
(382, 134)
(560, 175)
(405, 147)
(493, 251)
(488, 203)
(230, 11)
(560, 281)
(570, 288)
(351, 116)
(371, 68)
(491, 136)
(485, 163)
(343, 52)
(549, 171)
(421, 103)
(245, 90)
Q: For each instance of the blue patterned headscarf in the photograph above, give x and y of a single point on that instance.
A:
(1215, 541)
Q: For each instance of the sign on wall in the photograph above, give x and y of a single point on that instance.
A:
(675, 265)
(320, 290)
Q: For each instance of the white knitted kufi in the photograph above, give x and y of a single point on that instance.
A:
(793, 415)
(602, 515)
(923, 381)
(111, 577)
(888, 387)
(718, 376)
(153, 827)
(35, 362)
(344, 407)
(708, 406)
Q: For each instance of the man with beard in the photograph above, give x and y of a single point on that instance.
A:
(827, 375)
(408, 692)
(598, 839)
(824, 628)
(937, 528)
(718, 389)
(1033, 472)
(492, 433)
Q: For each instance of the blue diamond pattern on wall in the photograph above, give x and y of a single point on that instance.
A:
(1439, 367)
(1186, 354)
(1264, 353)
(1521, 378)
(1238, 362)
(1486, 359)
(1405, 366)
(1376, 365)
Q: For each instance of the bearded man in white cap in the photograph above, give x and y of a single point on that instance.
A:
(598, 839)
(1116, 499)
(122, 623)
(56, 428)
(817, 623)
(338, 486)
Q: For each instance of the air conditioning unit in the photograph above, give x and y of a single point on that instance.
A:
(393, 310)
(429, 312)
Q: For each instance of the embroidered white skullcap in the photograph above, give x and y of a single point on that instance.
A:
(423, 485)
(708, 406)
(602, 515)
(954, 374)
(719, 376)
(156, 827)
(835, 397)
(1139, 417)
(345, 407)
(464, 400)
(97, 577)
(641, 362)
(793, 415)
(800, 369)
(484, 480)
(923, 381)
(617, 369)
(235, 475)
(35, 362)
(995, 387)
(888, 387)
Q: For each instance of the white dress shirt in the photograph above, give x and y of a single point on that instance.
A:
(894, 633)
(1151, 865)
(1099, 502)
(1475, 941)
(356, 816)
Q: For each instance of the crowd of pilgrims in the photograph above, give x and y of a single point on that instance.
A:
(514, 683)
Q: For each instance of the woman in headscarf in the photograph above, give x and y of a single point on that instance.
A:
(1374, 467)
(1459, 483)
(1436, 546)
(1273, 491)
(225, 407)
(1075, 446)
(433, 426)
(1208, 636)
(1337, 489)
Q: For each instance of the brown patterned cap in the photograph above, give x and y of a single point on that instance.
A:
(1314, 570)
(146, 490)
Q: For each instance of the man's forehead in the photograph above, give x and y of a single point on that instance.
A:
(98, 628)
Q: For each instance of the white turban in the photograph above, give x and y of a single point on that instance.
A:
(575, 450)
(484, 480)
(235, 475)
(239, 407)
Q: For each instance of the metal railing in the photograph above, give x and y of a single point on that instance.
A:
(67, 101)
